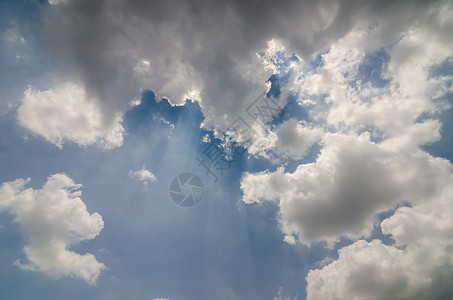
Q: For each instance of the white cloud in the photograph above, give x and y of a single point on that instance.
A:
(53, 219)
(143, 175)
(290, 239)
(420, 263)
(66, 114)
(271, 56)
(351, 181)
(206, 139)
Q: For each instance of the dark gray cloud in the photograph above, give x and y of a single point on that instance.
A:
(204, 47)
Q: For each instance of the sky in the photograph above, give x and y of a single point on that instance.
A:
(226, 149)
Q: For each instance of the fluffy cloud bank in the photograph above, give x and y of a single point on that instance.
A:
(370, 159)
(375, 96)
(53, 218)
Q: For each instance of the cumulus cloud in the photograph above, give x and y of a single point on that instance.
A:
(422, 268)
(53, 218)
(351, 181)
(419, 265)
(143, 175)
(66, 114)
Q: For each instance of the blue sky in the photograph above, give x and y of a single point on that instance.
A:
(337, 193)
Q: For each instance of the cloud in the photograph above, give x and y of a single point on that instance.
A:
(372, 161)
(351, 181)
(201, 50)
(290, 239)
(418, 265)
(65, 114)
(355, 101)
(143, 175)
(340, 194)
(291, 139)
(53, 218)
(56, 2)
(166, 122)
(13, 38)
(281, 296)
(422, 269)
